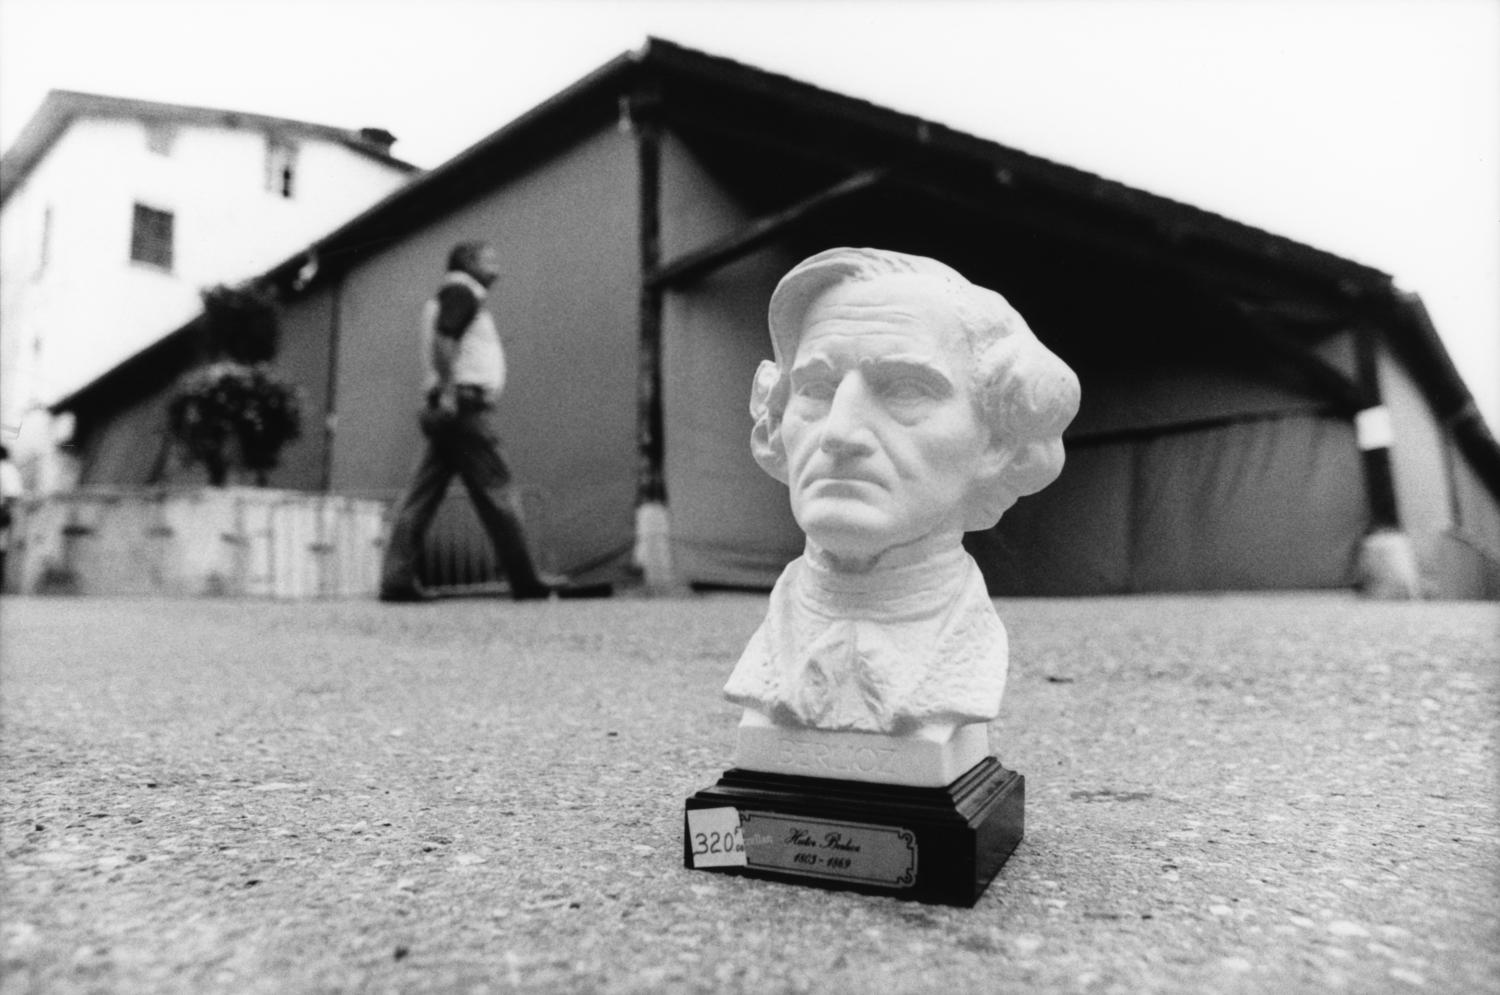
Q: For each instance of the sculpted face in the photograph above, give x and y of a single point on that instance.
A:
(882, 432)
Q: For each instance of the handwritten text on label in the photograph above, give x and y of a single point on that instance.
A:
(715, 838)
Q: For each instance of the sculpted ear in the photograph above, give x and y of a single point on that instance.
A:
(766, 408)
(1022, 468)
(1008, 470)
(993, 461)
(988, 496)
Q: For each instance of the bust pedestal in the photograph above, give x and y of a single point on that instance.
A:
(929, 816)
(941, 845)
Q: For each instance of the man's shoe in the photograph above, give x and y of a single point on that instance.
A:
(406, 595)
(584, 591)
(563, 590)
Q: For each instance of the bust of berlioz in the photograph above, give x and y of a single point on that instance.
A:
(904, 407)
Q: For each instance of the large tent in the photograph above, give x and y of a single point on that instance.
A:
(1253, 408)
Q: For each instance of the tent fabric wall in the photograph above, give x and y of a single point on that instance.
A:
(1199, 467)
(1266, 503)
(566, 307)
(1162, 392)
(731, 523)
(126, 448)
(1074, 537)
(304, 357)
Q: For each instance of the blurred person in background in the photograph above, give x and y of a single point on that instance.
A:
(10, 498)
(465, 373)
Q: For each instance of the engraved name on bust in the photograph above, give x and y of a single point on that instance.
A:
(904, 407)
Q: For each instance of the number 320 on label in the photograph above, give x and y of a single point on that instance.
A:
(715, 838)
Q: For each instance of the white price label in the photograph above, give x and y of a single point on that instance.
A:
(715, 837)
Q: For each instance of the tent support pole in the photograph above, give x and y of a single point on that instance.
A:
(330, 397)
(652, 537)
(1388, 567)
(649, 478)
(1375, 440)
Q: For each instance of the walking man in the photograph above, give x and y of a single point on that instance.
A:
(465, 373)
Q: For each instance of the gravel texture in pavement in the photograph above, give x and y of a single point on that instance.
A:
(1288, 793)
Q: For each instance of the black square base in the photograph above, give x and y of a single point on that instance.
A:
(937, 845)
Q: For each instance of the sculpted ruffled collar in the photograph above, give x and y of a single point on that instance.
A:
(921, 589)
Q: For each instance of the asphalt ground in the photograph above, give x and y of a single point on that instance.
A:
(1289, 793)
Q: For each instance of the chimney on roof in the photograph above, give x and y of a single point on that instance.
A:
(378, 137)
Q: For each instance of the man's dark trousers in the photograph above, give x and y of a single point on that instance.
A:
(463, 443)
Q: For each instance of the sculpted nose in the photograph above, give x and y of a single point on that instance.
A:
(846, 428)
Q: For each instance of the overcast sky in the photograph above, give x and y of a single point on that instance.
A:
(1368, 128)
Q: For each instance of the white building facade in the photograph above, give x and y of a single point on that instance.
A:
(115, 214)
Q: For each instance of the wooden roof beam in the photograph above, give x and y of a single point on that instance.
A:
(1141, 246)
(693, 265)
(1349, 394)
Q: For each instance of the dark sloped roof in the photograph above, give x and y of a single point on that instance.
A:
(1008, 166)
(684, 83)
(61, 108)
(691, 90)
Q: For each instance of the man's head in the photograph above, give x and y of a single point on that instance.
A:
(478, 259)
(903, 401)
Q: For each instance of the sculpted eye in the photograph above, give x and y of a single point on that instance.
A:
(813, 388)
(908, 389)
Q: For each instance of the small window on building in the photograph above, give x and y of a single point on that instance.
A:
(151, 237)
(281, 167)
(160, 137)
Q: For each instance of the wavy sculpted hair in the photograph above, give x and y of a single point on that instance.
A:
(1026, 394)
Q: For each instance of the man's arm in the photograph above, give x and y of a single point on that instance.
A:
(456, 307)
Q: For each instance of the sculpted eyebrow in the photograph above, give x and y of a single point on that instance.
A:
(859, 308)
(812, 366)
(891, 367)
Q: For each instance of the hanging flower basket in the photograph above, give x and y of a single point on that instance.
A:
(231, 414)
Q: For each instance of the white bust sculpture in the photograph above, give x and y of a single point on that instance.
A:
(905, 406)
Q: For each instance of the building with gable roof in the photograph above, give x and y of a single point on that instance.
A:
(1255, 410)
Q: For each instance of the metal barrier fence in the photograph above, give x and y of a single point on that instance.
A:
(199, 541)
(458, 557)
